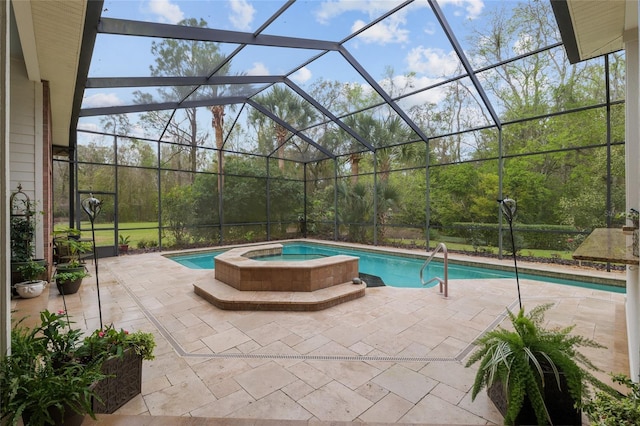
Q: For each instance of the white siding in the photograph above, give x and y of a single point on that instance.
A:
(22, 129)
(25, 136)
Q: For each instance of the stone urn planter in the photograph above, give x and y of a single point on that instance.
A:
(30, 289)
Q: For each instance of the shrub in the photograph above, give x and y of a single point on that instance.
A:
(616, 410)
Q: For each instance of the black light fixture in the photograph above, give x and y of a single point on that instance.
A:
(509, 209)
(92, 207)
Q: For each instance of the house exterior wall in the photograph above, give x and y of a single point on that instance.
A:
(632, 175)
(47, 175)
(5, 270)
(26, 144)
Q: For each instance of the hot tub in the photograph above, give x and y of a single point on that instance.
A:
(239, 269)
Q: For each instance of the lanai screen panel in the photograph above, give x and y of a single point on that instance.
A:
(95, 148)
(425, 95)
(268, 60)
(298, 150)
(523, 26)
(347, 56)
(325, 20)
(412, 50)
(218, 91)
(336, 85)
(448, 108)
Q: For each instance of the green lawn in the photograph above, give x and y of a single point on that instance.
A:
(544, 254)
(106, 237)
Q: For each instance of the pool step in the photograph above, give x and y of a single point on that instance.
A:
(226, 297)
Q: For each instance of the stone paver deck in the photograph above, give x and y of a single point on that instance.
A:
(395, 355)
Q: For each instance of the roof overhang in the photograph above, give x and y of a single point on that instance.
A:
(592, 28)
(51, 34)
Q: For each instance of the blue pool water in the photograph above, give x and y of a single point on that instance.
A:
(395, 270)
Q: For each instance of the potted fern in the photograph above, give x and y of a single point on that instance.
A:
(43, 381)
(532, 374)
(56, 374)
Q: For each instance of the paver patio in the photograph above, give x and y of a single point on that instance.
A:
(395, 355)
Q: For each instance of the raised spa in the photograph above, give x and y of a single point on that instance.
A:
(240, 269)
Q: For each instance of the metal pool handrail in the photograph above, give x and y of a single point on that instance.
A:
(443, 282)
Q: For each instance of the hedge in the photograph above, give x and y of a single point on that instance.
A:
(536, 236)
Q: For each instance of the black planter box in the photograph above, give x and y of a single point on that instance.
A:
(558, 401)
(124, 386)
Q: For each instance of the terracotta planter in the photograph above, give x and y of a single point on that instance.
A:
(124, 386)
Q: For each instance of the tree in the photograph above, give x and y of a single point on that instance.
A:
(185, 58)
(354, 209)
(287, 106)
(217, 122)
(387, 198)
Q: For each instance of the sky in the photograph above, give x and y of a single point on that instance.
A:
(406, 51)
(410, 40)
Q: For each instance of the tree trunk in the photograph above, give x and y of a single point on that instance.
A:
(281, 135)
(217, 122)
(354, 159)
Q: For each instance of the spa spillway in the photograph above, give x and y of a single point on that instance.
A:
(244, 282)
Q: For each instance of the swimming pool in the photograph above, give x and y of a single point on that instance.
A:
(395, 270)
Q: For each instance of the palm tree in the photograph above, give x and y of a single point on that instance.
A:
(364, 124)
(217, 122)
(185, 58)
(290, 108)
(355, 208)
(388, 197)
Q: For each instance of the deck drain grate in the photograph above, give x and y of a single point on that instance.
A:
(324, 357)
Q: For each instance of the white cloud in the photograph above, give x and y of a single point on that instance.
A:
(473, 8)
(401, 84)
(166, 11)
(137, 131)
(332, 8)
(100, 100)
(91, 127)
(302, 75)
(242, 14)
(433, 96)
(430, 28)
(432, 62)
(258, 69)
(387, 31)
